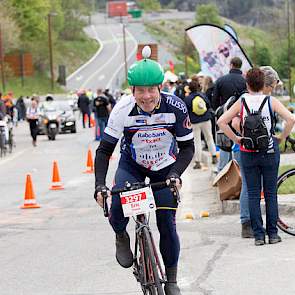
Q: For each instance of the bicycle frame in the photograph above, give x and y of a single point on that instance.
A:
(142, 268)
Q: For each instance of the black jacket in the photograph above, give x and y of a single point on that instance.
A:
(225, 87)
(100, 105)
(83, 103)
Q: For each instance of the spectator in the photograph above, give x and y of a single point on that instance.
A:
(201, 123)
(21, 108)
(260, 166)
(110, 97)
(32, 117)
(2, 108)
(102, 108)
(83, 105)
(225, 87)
(207, 89)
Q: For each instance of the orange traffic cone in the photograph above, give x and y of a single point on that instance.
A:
(92, 121)
(30, 201)
(56, 182)
(89, 164)
(85, 119)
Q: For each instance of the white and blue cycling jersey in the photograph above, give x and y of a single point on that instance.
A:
(149, 139)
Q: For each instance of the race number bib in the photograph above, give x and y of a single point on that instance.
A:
(137, 202)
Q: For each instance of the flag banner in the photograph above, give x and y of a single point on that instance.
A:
(231, 30)
(216, 47)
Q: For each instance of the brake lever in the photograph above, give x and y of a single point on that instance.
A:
(174, 189)
(104, 194)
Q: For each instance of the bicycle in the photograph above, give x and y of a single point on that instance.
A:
(286, 194)
(147, 268)
(3, 148)
(291, 141)
(11, 143)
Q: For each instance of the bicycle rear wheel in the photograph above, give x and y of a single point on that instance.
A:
(286, 197)
(10, 141)
(155, 288)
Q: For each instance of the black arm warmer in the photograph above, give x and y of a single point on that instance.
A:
(185, 155)
(103, 154)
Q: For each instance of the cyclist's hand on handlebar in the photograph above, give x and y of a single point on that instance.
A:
(173, 180)
(98, 194)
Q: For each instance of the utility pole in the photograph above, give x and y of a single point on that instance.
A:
(254, 52)
(185, 55)
(289, 50)
(125, 51)
(50, 49)
(124, 45)
(2, 60)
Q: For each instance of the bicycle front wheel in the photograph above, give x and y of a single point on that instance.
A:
(155, 288)
(286, 201)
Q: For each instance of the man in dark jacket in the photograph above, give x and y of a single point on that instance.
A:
(110, 97)
(102, 109)
(231, 84)
(83, 105)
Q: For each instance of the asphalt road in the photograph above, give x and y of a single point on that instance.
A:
(67, 247)
(106, 68)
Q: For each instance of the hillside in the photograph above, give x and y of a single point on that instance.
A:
(248, 12)
(253, 41)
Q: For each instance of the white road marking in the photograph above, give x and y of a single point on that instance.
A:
(105, 64)
(13, 156)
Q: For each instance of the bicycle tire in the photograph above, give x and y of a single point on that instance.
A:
(10, 141)
(285, 192)
(157, 289)
(2, 144)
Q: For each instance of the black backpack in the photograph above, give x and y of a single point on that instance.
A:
(222, 141)
(255, 133)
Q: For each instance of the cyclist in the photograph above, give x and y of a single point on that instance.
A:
(154, 124)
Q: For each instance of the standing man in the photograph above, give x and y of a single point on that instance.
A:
(231, 84)
(110, 97)
(102, 108)
(158, 143)
(83, 105)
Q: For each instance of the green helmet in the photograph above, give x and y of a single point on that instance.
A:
(145, 72)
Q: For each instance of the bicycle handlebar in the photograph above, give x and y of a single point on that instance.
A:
(137, 185)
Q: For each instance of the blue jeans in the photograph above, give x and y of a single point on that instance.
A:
(224, 158)
(244, 200)
(262, 168)
(100, 125)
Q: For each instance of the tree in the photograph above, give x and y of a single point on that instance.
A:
(73, 11)
(208, 14)
(150, 5)
(31, 16)
(260, 55)
(10, 30)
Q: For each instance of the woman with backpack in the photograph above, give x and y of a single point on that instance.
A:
(260, 154)
(199, 110)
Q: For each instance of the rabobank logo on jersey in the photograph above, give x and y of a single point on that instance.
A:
(152, 134)
(176, 103)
